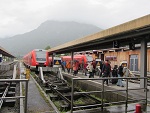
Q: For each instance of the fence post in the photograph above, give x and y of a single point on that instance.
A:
(126, 95)
(72, 92)
(26, 97)
(102, 95)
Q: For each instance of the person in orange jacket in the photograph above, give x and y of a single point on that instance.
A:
(68, 66)
(75, 67)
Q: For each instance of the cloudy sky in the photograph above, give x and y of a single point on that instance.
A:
(21, 16)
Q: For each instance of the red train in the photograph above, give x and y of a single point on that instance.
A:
(36, 58)
(81, 58)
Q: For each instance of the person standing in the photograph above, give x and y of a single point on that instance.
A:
(114, 74)
(75, 68)
(120, 74)
(90, 69)
(101, 67)
(94, 67)
(63, 64)
(106, 70)
(68, 66)
(85, 68)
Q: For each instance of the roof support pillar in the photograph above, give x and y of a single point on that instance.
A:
(143, 62)
(53, 55)
(72, 55)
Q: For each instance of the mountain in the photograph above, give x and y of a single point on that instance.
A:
(49, 33)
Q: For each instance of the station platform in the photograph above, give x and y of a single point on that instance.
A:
(37, 102)
(120, 108)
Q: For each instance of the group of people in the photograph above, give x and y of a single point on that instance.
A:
(106, 71)
(116, 72)
(90, 68)
(67, 65)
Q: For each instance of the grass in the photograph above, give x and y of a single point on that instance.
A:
(79, 101)
(57, 104)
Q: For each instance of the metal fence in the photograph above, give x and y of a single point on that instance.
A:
(21, 96)
(103, 90)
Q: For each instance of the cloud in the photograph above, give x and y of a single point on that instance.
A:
(20, 16)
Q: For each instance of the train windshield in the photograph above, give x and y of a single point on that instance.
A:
(41, 55)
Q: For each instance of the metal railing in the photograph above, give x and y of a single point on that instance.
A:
(21, 96)
(103, 90)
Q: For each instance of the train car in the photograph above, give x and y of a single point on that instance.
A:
(68, 58)
(36, 58)
(50, 61)
(80, 58)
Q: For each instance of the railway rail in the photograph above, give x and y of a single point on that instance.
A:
(59, 92)
(8, 90)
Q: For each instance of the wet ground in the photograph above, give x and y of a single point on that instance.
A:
(138, 94)
(36, 103)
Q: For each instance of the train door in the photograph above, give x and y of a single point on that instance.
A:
(134, 62)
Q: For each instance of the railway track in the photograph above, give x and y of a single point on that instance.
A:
(59, 92)
(7, 91)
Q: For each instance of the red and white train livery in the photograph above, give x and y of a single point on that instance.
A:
(36, 58)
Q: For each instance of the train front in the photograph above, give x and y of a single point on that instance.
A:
(41, 58)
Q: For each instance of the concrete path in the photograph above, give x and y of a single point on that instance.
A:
(36, 103)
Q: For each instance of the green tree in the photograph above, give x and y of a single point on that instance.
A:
(48, 47)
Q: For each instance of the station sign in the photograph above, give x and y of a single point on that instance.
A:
(57, 61)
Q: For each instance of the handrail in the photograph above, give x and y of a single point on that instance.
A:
(3, 96)
(15, 97)
(103, 90)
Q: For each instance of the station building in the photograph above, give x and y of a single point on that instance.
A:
(122, 54)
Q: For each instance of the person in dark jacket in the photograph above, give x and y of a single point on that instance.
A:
(94, 67)
(120, 70)
(101, 67)
(114, 74)
(120, 74)
(106, 70)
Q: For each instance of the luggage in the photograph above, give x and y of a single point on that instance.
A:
(114, 81)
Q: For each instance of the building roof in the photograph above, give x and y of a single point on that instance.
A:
(5, 52)
(132, 31)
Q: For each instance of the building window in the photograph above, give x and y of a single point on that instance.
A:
(111, 58)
